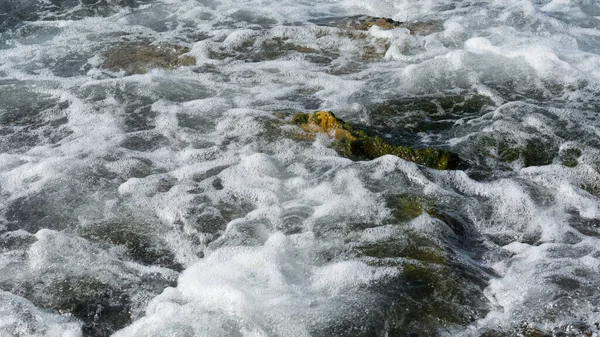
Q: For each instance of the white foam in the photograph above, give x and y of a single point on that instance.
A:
(273, 289)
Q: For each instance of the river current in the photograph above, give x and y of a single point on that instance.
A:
(179, 199)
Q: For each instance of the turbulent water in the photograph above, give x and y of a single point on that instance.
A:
(179, 200)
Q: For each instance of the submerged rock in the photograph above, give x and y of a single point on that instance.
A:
(364, 22)
(504, 148)
(431, 114)
(136, 240)
(423, 28)
(140, 57)
(569, 157)
(407, 207)
(432, 290)
(81, 280)
(357, 145)
(359, 22)
(339, 49)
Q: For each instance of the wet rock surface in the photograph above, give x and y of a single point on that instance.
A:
(359, 22)
(29, 118)
(141, 57)
(433, 291)
(434, 116)
(364, 22)
(340, 50)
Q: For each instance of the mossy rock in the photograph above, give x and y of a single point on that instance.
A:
(357, 145)
(420, 250)
(406, 207)
(435, 114)
(367, 148)
(496, 149)
(430, 293)
(434, 106)
(534, 151)
(569, 157)
(140, 57)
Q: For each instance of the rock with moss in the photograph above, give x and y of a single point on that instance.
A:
(501, 148)
(140, 57)
(534, 151)
(436, 117)
(457, 104)
(431, 290)
(407, 207)
(569, 157)
(357, 145)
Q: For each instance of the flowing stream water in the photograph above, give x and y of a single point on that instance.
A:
(140, 198)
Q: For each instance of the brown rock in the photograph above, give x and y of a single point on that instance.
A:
(140, 57)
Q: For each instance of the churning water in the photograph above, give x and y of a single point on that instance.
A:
(173, 199)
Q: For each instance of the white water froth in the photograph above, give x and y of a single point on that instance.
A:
(197, 156)
(257, 291)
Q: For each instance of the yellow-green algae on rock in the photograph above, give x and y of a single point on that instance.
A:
(357, 145)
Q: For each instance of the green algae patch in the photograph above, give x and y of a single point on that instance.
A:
(141, 57)
(440, 293)
(428, 113)
(535, 152)
(415, 251)
(569, 157)
(406, 208)
(357, 145)
(457, 104)
(366, 148)
(538, 150)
